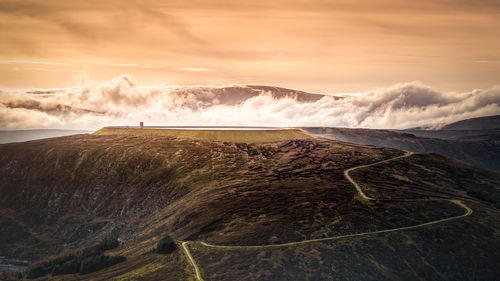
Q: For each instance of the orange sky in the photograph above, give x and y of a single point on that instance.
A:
(319, 46)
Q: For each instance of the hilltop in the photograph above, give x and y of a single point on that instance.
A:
(218, 135)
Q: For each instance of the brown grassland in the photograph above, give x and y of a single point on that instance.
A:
(63, 193)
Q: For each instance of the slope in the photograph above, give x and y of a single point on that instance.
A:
(481, 151)
(68, 192)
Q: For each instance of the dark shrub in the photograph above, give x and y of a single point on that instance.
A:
(166, 245)
(481, 196)
(69, 267)
(11, 276)
(95, 263)
(61, 260)
(107, 244)
(104, 245)
(91, 264)
(89, 252)
(85, 261)
(38, 270)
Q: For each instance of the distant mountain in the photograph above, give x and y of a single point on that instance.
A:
(277, 92)
(480, 123)
(200, 97)
(479, 150)
(27, 135)
(448, 134)
(465, 128)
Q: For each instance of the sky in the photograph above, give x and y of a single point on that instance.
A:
(314, 45)
(86, 64)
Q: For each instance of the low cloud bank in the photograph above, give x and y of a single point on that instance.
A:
(123, 102)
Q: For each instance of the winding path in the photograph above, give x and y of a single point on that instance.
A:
(468, 212)
(191, 259)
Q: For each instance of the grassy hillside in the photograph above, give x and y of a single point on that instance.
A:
(70, 192)
(247, 136)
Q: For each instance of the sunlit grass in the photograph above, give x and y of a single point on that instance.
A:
(247, 136)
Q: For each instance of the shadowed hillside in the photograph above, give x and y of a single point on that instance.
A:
(474, 127)
(480, 123)
(481, 151)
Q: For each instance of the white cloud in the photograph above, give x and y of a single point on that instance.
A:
(122, 101)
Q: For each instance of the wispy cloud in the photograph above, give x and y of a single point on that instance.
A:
(129, 65)
(196, 69)
(59, 63)
(343, 45)
(487, 61)
(31, 62)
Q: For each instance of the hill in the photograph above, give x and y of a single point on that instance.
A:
(200, 97)
(482, 151)
(27, 135)
(63, 193)
(480, 123)
(449, 134)
(481, 126)
(219, 135)
(277, 92)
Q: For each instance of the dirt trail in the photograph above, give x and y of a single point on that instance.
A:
(468, 212)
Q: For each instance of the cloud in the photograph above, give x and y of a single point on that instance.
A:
(197, 69)
(130, 65)
(18, 118)
(123, 101)
(30, 62)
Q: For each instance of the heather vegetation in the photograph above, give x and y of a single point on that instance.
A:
(142, 187)
(480, 148)
(84, 261)
(484, 196)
